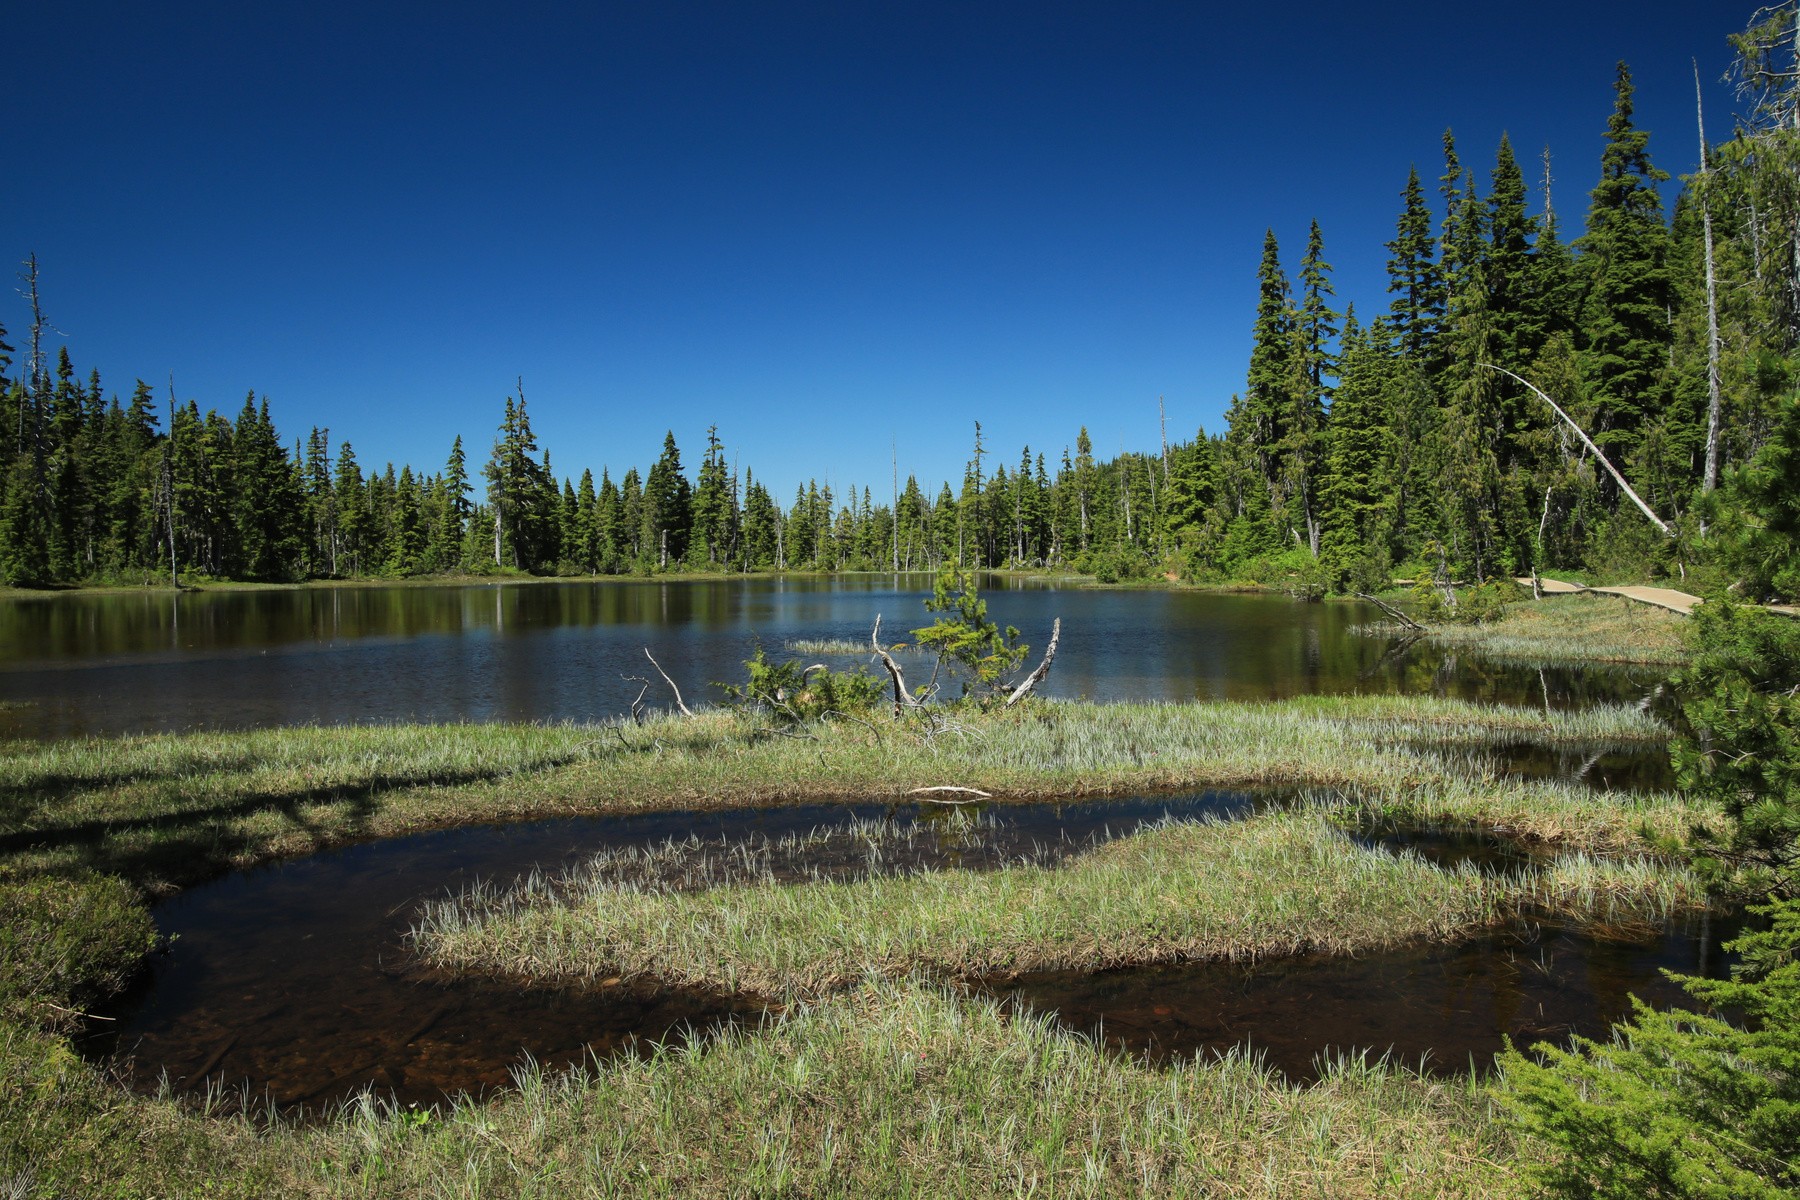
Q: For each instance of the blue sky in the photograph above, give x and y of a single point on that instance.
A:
(820, 227)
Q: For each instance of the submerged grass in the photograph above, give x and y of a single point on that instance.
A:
(1578, 629)
(1281, 884)
(168, 810)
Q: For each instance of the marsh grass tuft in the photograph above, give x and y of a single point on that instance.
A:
(1580, 630)
(1280, 884)
(839, 646)
(892, 1088)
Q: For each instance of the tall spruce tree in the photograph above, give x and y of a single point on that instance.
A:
(1418, 304)
(1624, 316)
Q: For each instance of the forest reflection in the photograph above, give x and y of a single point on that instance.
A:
(115, 663)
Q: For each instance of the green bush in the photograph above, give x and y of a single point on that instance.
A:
(964, 639)
(790, 692)
(1473, 606)
(1625, 549)
(1678, 1104)
(1759, 531)
(1741, 698)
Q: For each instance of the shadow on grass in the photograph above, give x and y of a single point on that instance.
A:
(186, 846)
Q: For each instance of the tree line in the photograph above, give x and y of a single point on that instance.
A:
(1406, 443)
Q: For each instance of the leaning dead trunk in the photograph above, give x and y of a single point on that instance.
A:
(1589, 443)
(1043, 669)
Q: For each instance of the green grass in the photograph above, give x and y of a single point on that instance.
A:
(887, 1086)
(168, 810)
(893, 1089)
(65, 942)
(838, 646)
(1575, 629)
(1278, 885)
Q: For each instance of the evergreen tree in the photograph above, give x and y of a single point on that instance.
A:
(1359, 457)
(1259, 424)
(667, 519)
(1302, 447)
(711, 534)
(1625, 306)
(457, 509)
(1418, 306)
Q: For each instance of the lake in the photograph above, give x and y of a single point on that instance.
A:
(84, 664)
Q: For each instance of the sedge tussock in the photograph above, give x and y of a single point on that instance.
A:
(1580, 630)
(1271, 886)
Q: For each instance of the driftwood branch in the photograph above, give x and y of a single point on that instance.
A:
(933, 794)
(1589, 443)
(1036, 677)
(678, 704)
(902, 698)
(1391, 611)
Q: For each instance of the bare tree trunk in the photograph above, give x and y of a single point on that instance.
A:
(168, 482)
(1711, 478)
(1037, 676)
(667, 680)
(902, 698)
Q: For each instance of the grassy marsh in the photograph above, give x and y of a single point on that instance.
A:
(168, 810)
(888, 1085)
(892, 1089)
(1281, 884)
(1579, 629)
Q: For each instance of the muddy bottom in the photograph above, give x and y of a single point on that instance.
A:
(289, 984)
(1443, 1008)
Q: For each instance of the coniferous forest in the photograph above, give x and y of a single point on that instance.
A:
(1398, 439)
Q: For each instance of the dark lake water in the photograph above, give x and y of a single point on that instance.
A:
(292, 983)
(102, 664)
(294, 977)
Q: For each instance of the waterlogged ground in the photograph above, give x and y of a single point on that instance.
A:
(294, 976)
(292, 984)
(1435, 1007)
(118, 663)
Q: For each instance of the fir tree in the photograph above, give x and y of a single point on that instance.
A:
(1624, 311)
(667, 519)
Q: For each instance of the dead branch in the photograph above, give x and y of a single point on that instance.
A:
(637, 703)
(789, 733)
(1391, 611)
(929, 794)
(832, 712)
(667, 680)
(1589, 443)
(902, 698)
(1033, 679)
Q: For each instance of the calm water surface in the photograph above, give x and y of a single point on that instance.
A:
(294, 977)
(293, 980)
(102, 664)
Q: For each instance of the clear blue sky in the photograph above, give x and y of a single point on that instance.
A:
(818, 226)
